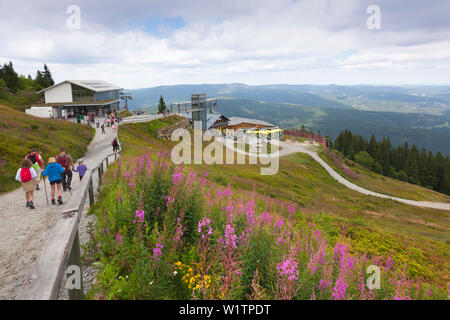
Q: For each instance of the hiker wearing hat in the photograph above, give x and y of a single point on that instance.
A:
(26, 175)
(54, 172)
(37, 162)
(81, 169)
(65, 160)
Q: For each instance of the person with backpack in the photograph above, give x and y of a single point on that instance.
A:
(115, 145)
(38, 164)
(81, 169)
(66, 162)
(54, 171)
(26, 174)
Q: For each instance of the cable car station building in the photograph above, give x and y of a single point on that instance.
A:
(73, 97)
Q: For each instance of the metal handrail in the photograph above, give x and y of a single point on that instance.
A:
(62, 249)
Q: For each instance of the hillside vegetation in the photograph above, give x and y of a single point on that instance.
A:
(20, 132)
(152, 217)
(373, 181)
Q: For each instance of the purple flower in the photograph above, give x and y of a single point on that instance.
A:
(340, 287)
(157, 252)
(288, 268)
(119, 238)
(230, 237)
(140, 216)
(204, 227)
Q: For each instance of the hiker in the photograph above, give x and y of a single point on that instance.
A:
(98, 124)
(26, 174)
(103, 128)
(37, 162)
(54, 172)
(115, 145)
(81, 169)
(66, 162)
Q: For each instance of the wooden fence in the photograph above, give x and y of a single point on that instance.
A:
(62, 250)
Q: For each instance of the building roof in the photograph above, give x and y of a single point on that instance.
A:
(75, 104)
(239, 120)
(210, 118)
(94, 85)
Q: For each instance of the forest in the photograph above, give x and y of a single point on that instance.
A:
(421, 167)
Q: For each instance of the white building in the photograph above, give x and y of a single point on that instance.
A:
(72, 97)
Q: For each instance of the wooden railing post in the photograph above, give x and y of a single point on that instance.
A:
(75, 287)
(99, 175)
(107, 163)
(91, 192)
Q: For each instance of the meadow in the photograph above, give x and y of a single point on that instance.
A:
(225, 232)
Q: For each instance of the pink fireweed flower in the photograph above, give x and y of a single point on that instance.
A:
(157, 252)
(323, 285)
(291, 210)
(178, 231)
(230, 237)
(280, 241)
(119, 238)
(389, 264)
(105, 231)
(340, 287)
(140, 216)
(131, 184)
(204, 227)
(169, 200)
(266, 218)
(288, 268)
(278, 224)
(176, 177)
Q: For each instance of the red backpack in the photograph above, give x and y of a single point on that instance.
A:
(34, 157)
(63, 162)
(25, 175)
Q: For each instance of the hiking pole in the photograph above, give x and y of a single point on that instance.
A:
(45, 189)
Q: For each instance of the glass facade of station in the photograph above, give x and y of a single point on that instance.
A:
(80, 94)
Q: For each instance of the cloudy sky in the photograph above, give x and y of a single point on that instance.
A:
(138, 44)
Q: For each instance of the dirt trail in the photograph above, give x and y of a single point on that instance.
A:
(23, 232)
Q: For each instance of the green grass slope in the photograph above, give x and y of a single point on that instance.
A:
(20, 132)
(379, 227)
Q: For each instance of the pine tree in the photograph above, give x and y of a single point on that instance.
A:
(10, 76)
(40, 81)
(412, 166)
(48, 76)
(161, 105)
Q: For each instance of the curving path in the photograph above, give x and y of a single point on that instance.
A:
(287, 149)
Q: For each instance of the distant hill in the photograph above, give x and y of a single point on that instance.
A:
(424, 130)
(417, 114)
(407, 99)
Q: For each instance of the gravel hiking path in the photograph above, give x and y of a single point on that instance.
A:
(23, 232)
(288, 148)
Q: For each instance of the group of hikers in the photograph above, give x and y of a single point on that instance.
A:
(59, 171)
(109, 121)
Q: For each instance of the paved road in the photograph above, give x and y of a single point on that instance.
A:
(287, 149)
(23, 232)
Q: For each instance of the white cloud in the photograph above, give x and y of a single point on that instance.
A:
(309, 41)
